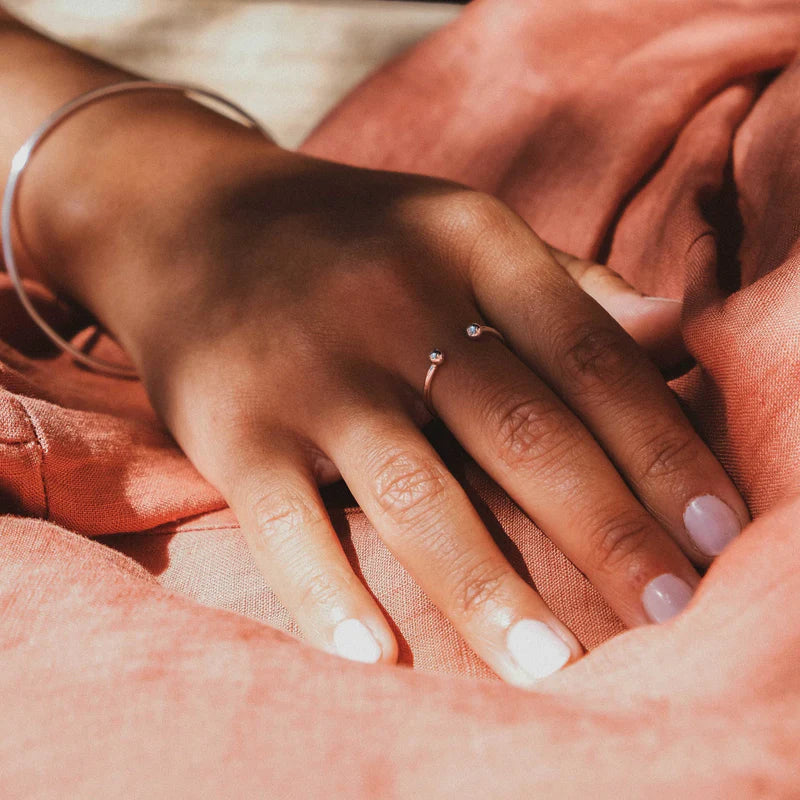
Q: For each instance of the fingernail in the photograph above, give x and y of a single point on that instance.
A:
(354, 640)
(711, 523)
(665, 597)
(536, 648)
(662, 299)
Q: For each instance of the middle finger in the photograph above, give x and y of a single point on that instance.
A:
(526, 438)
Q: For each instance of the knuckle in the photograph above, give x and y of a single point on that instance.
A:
(467, 221)
(318, 590)
(477, 587)
(531, 433)
(599, 357)
(279, 516)
(667, 454)
(470, 210)
(409, 489)
(618, 537)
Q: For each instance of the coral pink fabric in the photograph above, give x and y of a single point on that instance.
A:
(659, 137)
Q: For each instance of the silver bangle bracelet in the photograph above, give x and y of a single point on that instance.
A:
(20, 163)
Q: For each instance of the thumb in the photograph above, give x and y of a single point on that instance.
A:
(653, 322)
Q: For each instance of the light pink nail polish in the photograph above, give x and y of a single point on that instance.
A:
(354, 640)
(537, 649)
(665, 597)
(711, 523)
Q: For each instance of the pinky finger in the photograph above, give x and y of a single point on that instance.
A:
(276, 499)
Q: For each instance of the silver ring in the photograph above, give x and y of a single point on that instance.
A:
(436, 357)
(475, 330)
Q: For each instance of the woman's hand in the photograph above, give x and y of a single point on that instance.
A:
(281, 311)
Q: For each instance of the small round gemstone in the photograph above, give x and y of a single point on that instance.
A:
(436, 356)
(473, 331)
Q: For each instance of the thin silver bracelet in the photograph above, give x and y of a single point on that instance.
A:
(20, 163)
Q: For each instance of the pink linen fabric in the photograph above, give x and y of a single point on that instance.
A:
(659, 137)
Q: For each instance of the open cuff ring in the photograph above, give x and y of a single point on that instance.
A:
(474, 331)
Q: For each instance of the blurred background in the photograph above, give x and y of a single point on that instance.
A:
(285, 62)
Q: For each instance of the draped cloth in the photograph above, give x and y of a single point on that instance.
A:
(140, 650)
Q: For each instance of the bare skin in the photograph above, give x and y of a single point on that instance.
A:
(280, 310)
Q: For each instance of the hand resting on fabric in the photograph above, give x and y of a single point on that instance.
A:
(281, 311)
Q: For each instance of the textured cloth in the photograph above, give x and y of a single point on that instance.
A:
(659, 137)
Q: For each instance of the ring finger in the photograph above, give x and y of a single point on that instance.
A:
(427, 521)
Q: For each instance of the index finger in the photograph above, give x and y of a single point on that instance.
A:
(606, 379)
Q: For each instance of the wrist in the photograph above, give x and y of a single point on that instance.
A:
(119, 190)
